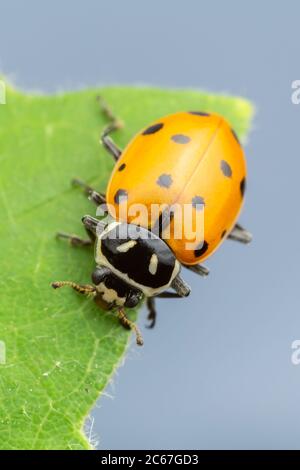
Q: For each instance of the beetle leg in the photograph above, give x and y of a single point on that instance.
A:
(93, 226)
(85, 289)
(198, 269)
(151, 312)
(180, 286)
(94, 196)
(90, 225)
(130, 324)
(74, 239)
(169, 295)
(239, 234)
(114, 124)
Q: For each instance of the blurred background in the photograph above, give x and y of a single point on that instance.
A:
(216, 372)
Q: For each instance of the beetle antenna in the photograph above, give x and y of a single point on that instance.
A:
(81, 288)
(130, 324)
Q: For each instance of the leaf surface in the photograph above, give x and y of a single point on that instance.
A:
(61, 350)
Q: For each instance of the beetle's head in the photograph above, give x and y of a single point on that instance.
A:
(112, 291)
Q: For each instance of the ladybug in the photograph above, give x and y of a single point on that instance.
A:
(188, 159)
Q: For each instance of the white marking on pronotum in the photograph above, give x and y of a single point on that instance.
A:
(126, 246)
(153, 264)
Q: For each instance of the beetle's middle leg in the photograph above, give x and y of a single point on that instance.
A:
(198, 269)
(114, 124)
(94, 196)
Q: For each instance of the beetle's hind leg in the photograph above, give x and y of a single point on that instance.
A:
(114, 124)
(240, 234)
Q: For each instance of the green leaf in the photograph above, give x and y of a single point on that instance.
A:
(61, 350)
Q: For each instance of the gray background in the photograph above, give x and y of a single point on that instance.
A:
(217, 371)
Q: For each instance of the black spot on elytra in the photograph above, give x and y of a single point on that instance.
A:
(243, 186)
(198, 202)
(226, 168)
(120, 196)
(199, 113)
(164, 181)
(201, 250)
(235, 136)
(223, 234)
(121, 167)
(152, 129)
(180, 139)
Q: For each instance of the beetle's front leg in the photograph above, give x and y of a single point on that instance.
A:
(91, 226)
(74, 239)
(152, 313)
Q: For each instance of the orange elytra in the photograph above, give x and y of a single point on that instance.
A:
(184, 158)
